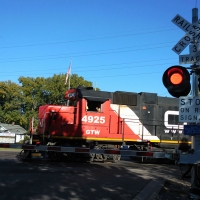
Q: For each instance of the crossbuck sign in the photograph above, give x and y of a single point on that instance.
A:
(192, 33)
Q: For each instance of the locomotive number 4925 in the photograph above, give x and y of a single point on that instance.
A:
(93, 119)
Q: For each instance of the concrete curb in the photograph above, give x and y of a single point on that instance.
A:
(150, 191)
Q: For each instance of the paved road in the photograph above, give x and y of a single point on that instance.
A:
(44, 180)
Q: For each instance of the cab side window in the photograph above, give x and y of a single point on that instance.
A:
(94, 106)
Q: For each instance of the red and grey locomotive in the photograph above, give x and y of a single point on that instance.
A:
(99, 119)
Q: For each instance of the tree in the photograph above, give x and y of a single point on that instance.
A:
(20, 102)
(11, 100)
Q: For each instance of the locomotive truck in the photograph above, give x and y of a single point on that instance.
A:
(109, 120)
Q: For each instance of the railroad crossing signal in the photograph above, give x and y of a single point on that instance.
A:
(177, 81)
(192, 33)
(176, 78)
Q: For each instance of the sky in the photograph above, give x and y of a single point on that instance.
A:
(118, 45)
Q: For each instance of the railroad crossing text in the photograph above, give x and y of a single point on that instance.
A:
(189, 109)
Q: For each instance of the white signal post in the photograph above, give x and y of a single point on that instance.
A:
(189, 107)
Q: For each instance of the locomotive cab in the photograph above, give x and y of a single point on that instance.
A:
(82, 119)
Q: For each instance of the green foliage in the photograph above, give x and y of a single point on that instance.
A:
(26, 140)
(20, 102)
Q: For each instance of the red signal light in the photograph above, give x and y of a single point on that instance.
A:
(175, 75)
(177, 80)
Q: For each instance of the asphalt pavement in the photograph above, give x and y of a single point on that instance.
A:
(126, 180)
(151, 190)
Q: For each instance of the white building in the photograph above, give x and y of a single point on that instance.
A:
(10, 133)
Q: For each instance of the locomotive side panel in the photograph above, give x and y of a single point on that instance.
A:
(56, 120)
(170, 130)
(168, 112)
(94, 119)
(148, 115)
(137, 115)
(160, 118)
(150, 118)
(123, 124)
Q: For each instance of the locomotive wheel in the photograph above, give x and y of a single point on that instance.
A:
(105, 157)
(116, 158)
(92, 156)
(99, 157)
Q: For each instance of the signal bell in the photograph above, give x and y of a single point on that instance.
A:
(177, 81)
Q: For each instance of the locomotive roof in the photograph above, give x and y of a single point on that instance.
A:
(121, 97)
(93, 95)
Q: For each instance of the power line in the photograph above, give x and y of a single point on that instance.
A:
(125, 75)
(60, 55)
(84, 40)
(82, 54)
(93, 53)
(106, 76)
(87, 68)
